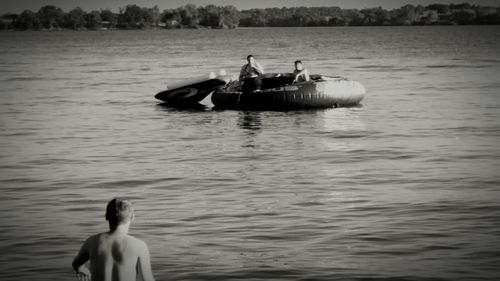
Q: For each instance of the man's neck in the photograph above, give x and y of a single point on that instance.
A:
(121, 229)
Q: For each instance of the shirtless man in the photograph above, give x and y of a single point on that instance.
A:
(300, 73)
(114, 255)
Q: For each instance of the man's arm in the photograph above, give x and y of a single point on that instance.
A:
(306, 74)
(144, 263)
(259, 68)
(243, 73)
(302, 72)
(82, 273)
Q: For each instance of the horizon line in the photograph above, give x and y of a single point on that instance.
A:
(117, 9)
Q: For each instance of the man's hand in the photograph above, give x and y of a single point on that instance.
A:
(83, 274)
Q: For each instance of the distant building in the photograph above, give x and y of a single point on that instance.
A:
(7, 20)
(428, 17)
(105, 24)
(172, 23)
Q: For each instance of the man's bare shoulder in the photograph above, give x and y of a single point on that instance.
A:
(92, 242)
(137, 242)
(96, 238)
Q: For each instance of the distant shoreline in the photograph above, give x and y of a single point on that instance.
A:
(235, 29)
(228, 17)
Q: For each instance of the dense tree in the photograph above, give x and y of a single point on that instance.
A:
(464, 16)
(230, 17)
(210, 16)
(405, 15)
(462, 6)
(488, 15)
(93, 20)
(191, 16)
(351, 17)
(51, 17)
(171, 18)
(108, 17)
(75, 19)
(376, 16)
(254, 17)
(439, 8)
(131, 17)
(152, 16)
(28, 20)
(218, 17)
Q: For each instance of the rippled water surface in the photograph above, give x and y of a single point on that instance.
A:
(404, 187)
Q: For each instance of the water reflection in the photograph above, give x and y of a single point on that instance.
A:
(250, 120)
(325, 194)
(250, 123)
(182, 107)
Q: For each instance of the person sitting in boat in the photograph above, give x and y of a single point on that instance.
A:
(249, 75)
(300, 73)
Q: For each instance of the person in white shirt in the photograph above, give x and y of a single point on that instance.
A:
(249, 75)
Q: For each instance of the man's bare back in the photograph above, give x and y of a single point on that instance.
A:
(113, 256)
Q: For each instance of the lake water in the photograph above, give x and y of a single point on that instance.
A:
(405, 187)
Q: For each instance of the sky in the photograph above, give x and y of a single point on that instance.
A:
(17, 6)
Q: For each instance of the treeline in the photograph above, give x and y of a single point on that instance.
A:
(211, 16)
(435, 14)
(131, 17)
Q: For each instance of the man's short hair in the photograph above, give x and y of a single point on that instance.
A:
(119, 211)
(249, 56)
(297, 61)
